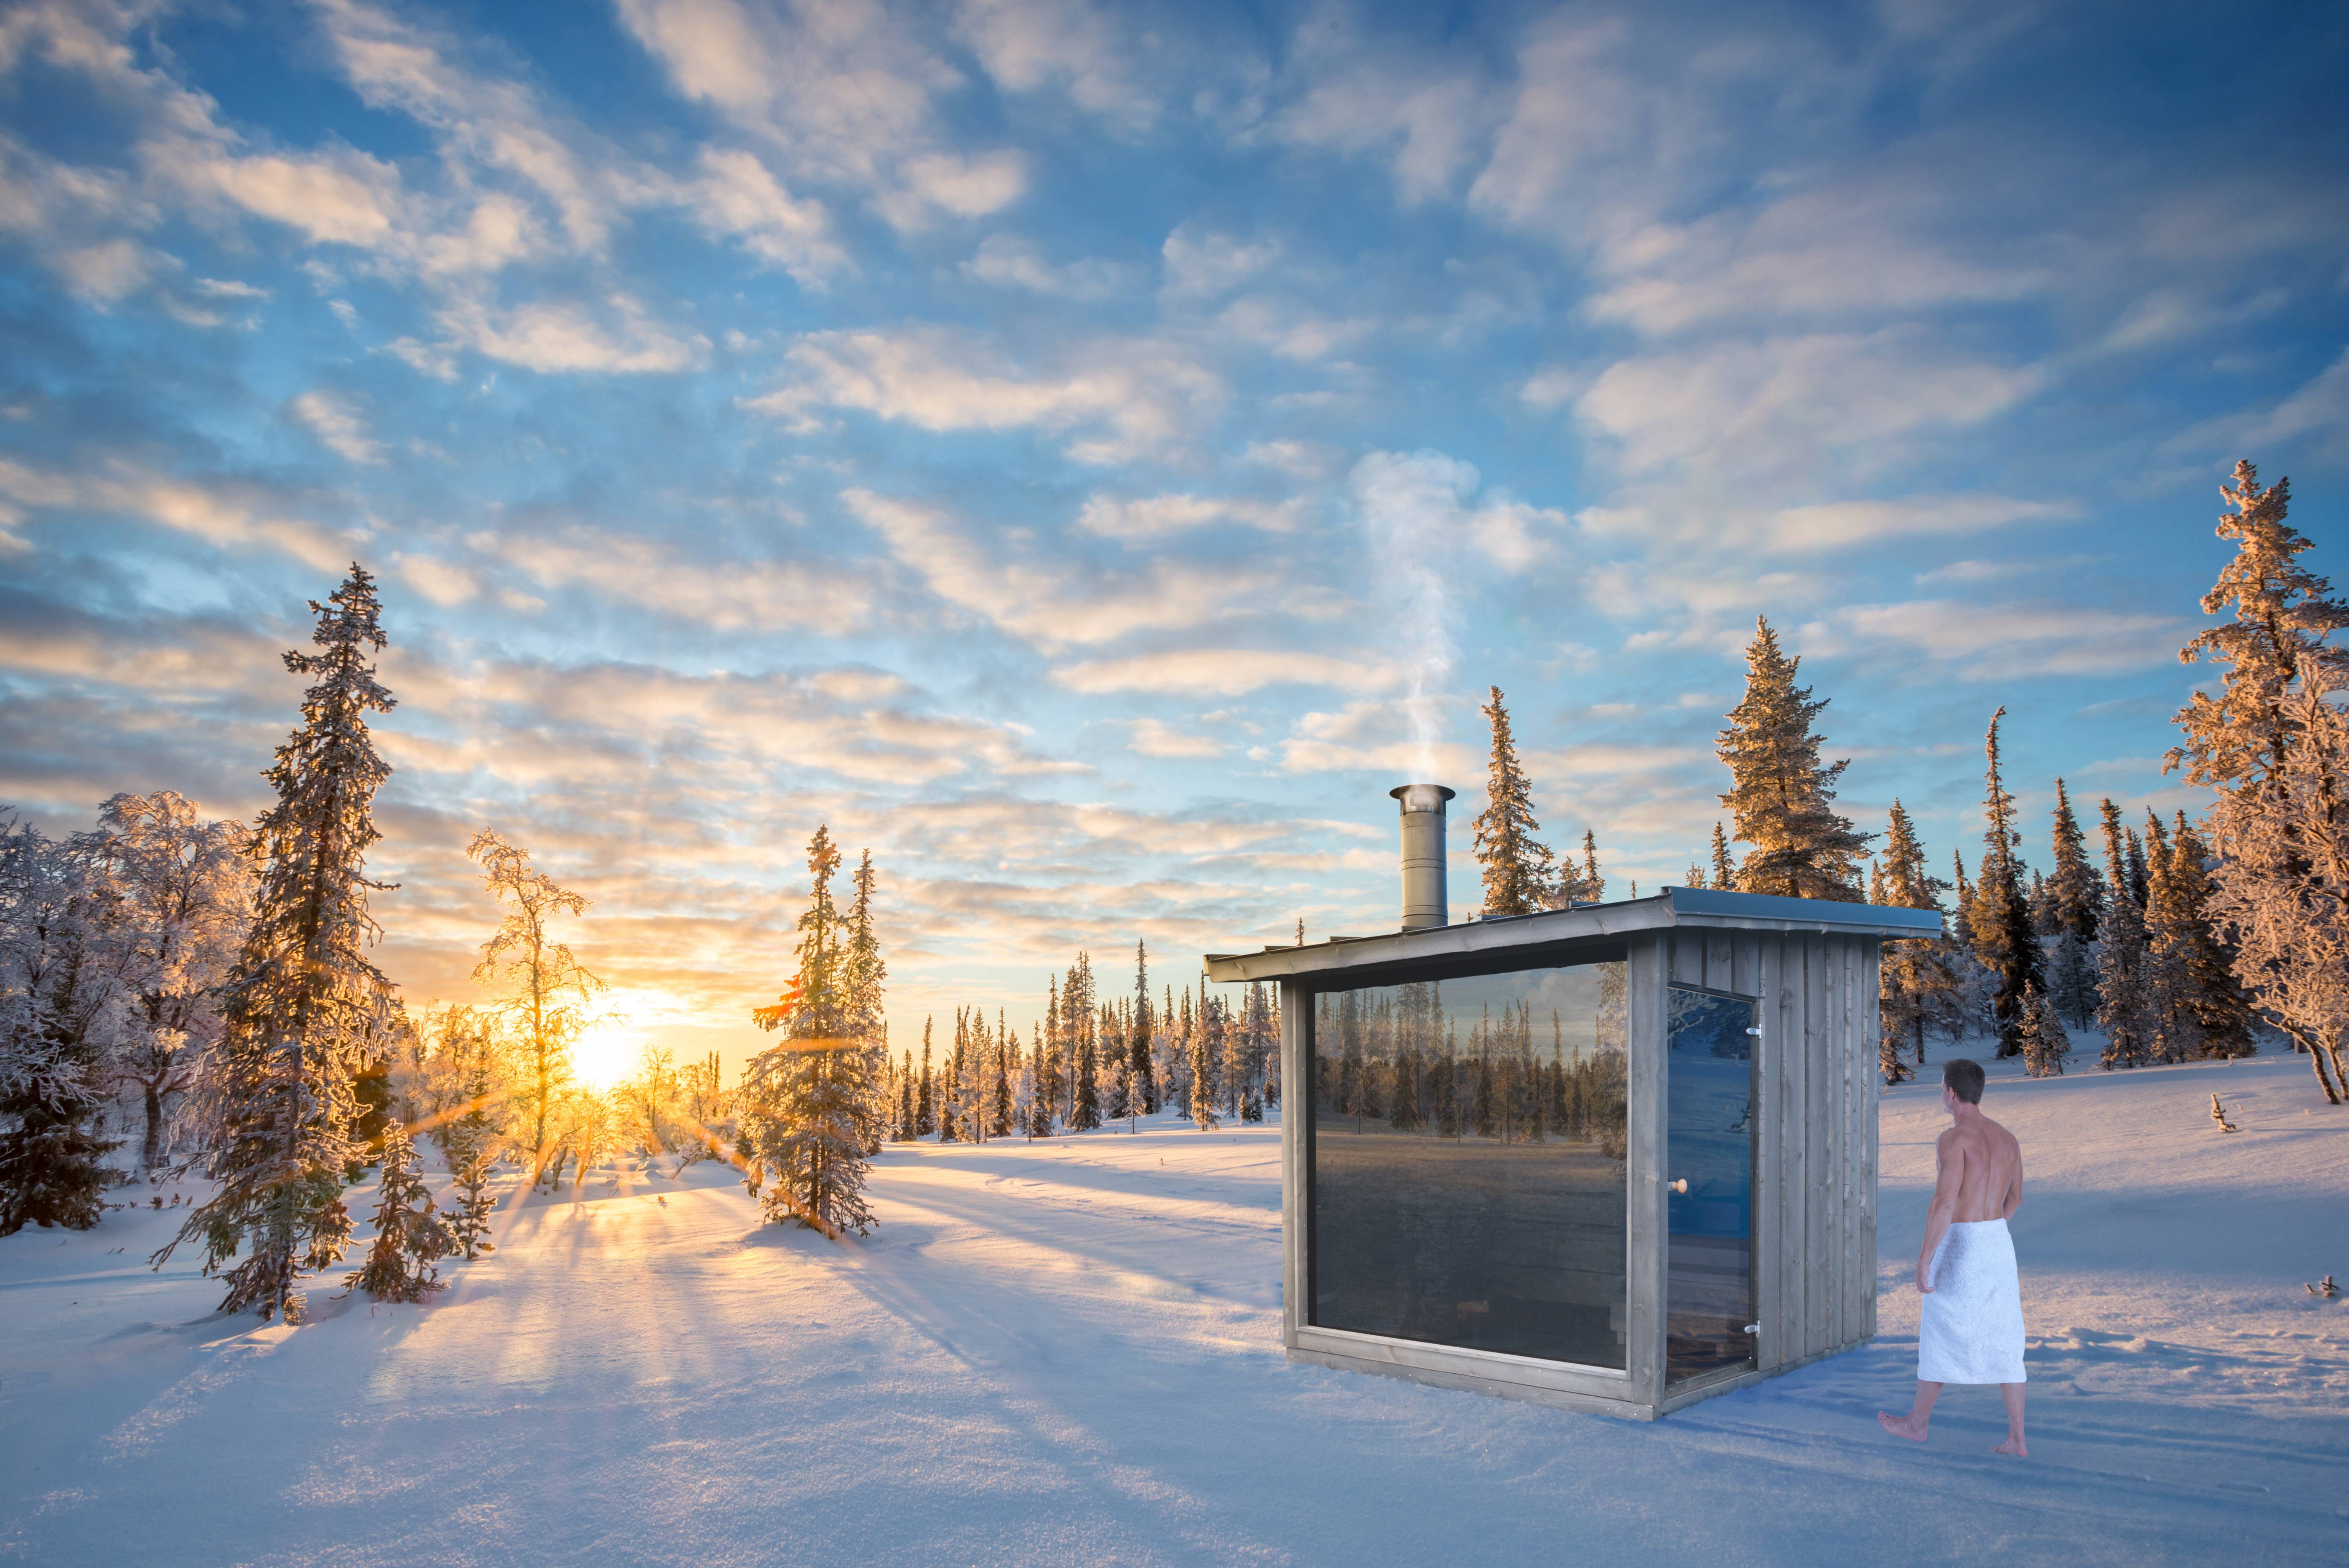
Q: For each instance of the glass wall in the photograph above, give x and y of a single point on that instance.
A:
(1468, 1162)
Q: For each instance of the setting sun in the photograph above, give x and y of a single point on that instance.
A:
(606, 1052)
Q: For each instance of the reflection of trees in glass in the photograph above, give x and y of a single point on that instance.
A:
(1394, 1053)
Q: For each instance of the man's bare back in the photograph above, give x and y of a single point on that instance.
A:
(1980, 1169)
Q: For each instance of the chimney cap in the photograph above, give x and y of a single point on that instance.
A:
(1415, 796)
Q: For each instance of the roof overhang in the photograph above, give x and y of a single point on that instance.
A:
(1593, 923)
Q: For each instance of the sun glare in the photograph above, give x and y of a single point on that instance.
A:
(606, 1052)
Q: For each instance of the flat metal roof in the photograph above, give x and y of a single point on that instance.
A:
(1703, 908)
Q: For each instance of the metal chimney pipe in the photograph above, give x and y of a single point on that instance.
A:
(1426, 902)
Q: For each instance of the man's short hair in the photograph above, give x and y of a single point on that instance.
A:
(1963, 1078)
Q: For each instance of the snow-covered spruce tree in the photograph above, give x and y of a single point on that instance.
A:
(468, 1137)
(867, 976)
(2282, 618)
(1724, 867)
(1085, 1108)
(952, 1125)
(2281, 662)
(1781, 797)
(409, 1235)
(60, 1001)
(926, 1115)
(303, 1002)
(1518, 869)
(810, 1091)
(2124, 1009)
(2175, 1034)
(1038, 1108)
(184, 889)
(2040, 1034)
(1052, 1071)
(2077, 899)
(2184, 937)
(544, 987)
(998, 1113)
(1207, 1051)
(2282, 881)
(1582, 884)
(1917, 990)
(1170, 1047)
(1256, 1036)
(2004, 942)
(1145, 1100)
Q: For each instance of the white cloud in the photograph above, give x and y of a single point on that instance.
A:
(444, 582)
(1202, 265)
(489, 122)
(1153, 738)
(968, 185)
(1154, 517)
(1134, 396)
(1841, 524)
(343, 199)
(554, 335)
(1011, 262)
(335, 420)
(1050, 605)
(1973, 641)
(1426, 114)
(1773, 405)
(1028, 45)
(1225, 672)
(1292, 331)
(1299, 459)
(2319, 409)
(728, 595)
(736, 196)
(840, 90)
(225, 513)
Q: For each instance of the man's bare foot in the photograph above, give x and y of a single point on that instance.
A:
(2013, 1446)
(1908, 1427)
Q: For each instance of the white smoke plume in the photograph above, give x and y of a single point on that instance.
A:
(1410, 509)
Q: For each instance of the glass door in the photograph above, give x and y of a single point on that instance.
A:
(1709, 1165)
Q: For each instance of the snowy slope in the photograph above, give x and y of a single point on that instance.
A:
(1068, 1353)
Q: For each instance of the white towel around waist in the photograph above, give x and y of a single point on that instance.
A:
(1971, 1329)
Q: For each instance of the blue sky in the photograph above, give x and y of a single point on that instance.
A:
(1090, 454)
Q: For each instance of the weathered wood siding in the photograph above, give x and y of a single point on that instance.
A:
(1814, 1181)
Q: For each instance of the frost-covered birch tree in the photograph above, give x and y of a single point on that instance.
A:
(544, 989)
(2282, 884)
(184, 899)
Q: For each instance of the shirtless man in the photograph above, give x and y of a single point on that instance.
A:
(1970, 1325)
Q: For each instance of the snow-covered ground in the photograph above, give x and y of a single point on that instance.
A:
(1068, 1352)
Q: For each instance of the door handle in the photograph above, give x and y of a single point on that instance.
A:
(1753, 1328)
(1679, 1186)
